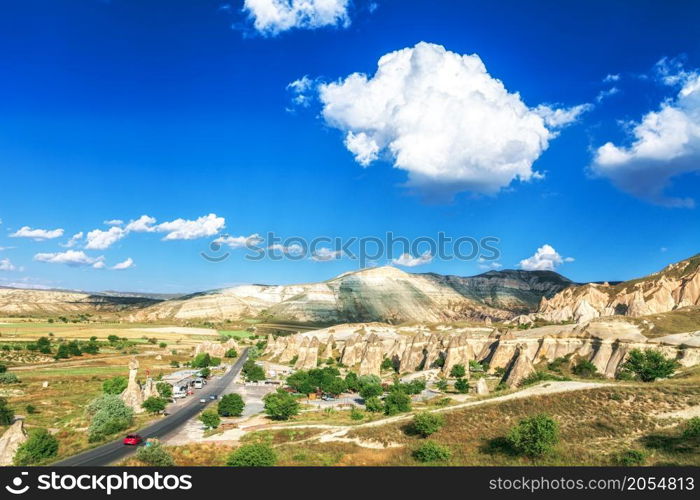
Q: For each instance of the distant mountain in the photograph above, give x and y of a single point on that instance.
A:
(35, 302)
(674, 287)
(377, 294)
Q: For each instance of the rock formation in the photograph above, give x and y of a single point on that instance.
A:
(308, 354)
(328, 351)
(372, 357)
(216, 349)
(481, 388)
(132, 395)
(520, 368)
(11, 439)
(149, 389)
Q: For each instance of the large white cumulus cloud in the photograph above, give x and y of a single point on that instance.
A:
(441, 117)
(664, 144)
(270, 17)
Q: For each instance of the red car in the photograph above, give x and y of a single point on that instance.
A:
(133, 439)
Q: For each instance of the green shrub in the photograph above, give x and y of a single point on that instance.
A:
(154, 455)
(108, 415)
(281, 405)
(164, 389)
(585, 368)
(231, 353)
(31, 409)
(397, 402)
(356, 414)
(650, 364)
(3, 368)
(430, 451)
(39, 446)
(252, 455)
(540, 376)
(8, 378)
(534, 436)
(7, 414)
(630, 457)
(154, 404)
(115, 385)
(374, 405)
(253, 372)
(201, 360)
(370, 391)
(692, 428)
(458, 371)
(231, 405)
(462, 385)
(442, 384)
(210, 419)
(426, 424)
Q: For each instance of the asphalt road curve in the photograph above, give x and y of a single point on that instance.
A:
(116, 451)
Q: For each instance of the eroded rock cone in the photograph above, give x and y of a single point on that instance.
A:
(481, 387)
(132, 395)
(519, 370)
(14, 436)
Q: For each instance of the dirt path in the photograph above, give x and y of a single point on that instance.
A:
(77, 362)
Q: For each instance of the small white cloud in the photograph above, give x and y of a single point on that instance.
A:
(325, 254)
(561, 117)
(235, 242)
(611, 78)
(271, 17)
(6, 265)
(441, 117)
(114, 222)
(664, 145)
(407, 260)
(182, 229)
(128, 263)
(546, 258)
(73, 240)
(604, 94)
(301, 91)
(74, 258)
(143, 224)
(100, 264)
(99, 240)
(37, 234)
(489, 264)
(293, 249)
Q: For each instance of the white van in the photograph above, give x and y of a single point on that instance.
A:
(199, 383)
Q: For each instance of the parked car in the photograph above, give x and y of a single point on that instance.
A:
(133, 440)
(202, 400)
(213, 397)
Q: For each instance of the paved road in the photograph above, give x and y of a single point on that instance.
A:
(116, 451)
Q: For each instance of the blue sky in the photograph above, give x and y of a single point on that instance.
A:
(112, 110)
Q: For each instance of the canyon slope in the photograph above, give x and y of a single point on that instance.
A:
(383, 294)
(674, 287)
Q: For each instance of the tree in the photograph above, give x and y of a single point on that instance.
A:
(352, 382)
(154, 404)
(205, 372)
(44, 345)
(7, 414)
(91, 347)
(3, 368)
(584, 368)
(534, 436)
(334, 386)
(374, 405)
(231, 405)
(231, 353)
(252, 455)
(114, 385)
(63, 352)
(155, 455)
(253, 372)
(281, 405)
(397, 402)
(426, 424)
(458, 371)
(430, 451)
(112, 339)
(387, 364)
(39, 446)
(165, 390)
(74, 348)
(442, 384)
(462, 385)
(650, 364)
(370, 391)
(201, 360)
(692, 428)
(210, 419)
